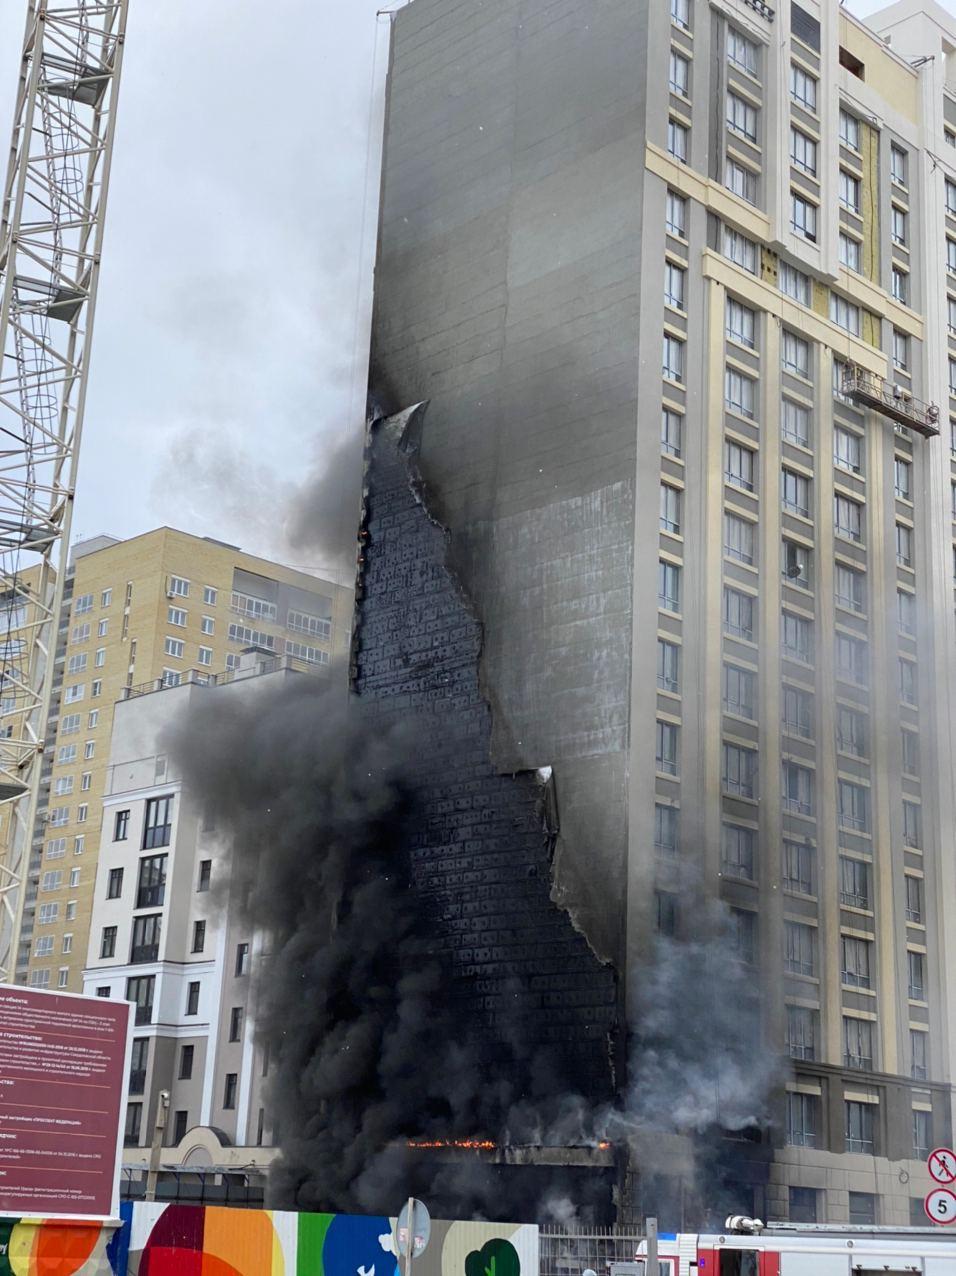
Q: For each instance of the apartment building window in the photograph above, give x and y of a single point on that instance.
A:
(796, 354)
(205, 875)
(114, 883)
(739, 614)
(92, 719)
(242, 959)
(229, 1090)
(674, 281)
(796, 633)
(199, 936)
(803, 87)
(70, 724)
(145, 942)
(854, 882)
(671, 432)
(680, 13)
(898, 226)
(175, 647)
(919, 1069)
(741, 117)
(803, 151)
(740, 771)
(951, 255)
(89, 749)
(900, 281)
(96, 687)
(848, 518)
(59, 815)
(179, 586)
(904, 545)
(70, 913)
(798, 712)
(740, 180)
(922, 1133)
(857, 1043)
(739, 538)
(914, 899)
(802, 1202)
(740, 250)
(740, 691)
(738, 851)
(794, 283)
(207, 625)
(950, 195)
(795, 492)
(151, 889)
(679, 77)
(668, 665)
(859, 1129)
(851, 731)
(100, 658)
(180, 1127)
(850, 253)
(192, 997)
(205, 656)
(670, 514)
(803, 1119)
(82, 604)
(797, 788)
(43, 946)
(906, 612)
(678, 140)
(796, 563)
(120, 826)
(63, 785)
(158, 826)
(673, 364)
(855, 961)
(739, 466)
(75, 693)
(845, 314)
(850, 588)
(849, 191)
(744, 934)
(853, 805)
(74, 877)
(77, 663)
(675, 214)
(665, 829)
(139, 990)
(176, 616)
(47, 914)
(849, 130)
(81, 632)
(901, 350)
(803, 217)
(39, 978)
(63, 977)
(802, 1032)
(795, 423)
(133, 1125)
(799, 948)
(916, 970)
(186, 1056)
(741, 323)
(56, 848)
(108, 942)
(911, 825)
(902, 479)
(668, 586)
(739, 393)
(139, 1061)
(898, 164)
(952, 376)
(666, 756)
(797, 867)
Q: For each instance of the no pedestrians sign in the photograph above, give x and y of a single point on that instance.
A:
(942, 1165)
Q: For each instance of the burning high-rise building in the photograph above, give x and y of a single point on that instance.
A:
(671, 279)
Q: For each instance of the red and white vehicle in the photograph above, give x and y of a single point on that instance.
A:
(793, 1249)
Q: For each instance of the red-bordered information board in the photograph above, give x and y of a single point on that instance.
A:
(63, 1068)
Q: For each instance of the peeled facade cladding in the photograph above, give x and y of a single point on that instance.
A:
(481, 857)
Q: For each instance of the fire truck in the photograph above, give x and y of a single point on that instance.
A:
(749, 1248)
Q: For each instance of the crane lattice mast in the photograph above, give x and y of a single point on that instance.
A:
(51, 235)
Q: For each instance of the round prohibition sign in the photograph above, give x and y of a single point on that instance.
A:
(942, 1165)
(940, 1206)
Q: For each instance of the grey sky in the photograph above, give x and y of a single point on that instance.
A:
(232, 278)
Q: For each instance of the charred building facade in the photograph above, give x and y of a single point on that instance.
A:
(668, 276)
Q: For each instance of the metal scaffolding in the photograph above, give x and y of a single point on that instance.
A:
(51, 235)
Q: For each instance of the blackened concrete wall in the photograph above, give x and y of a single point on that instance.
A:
(523, 976)
(507, 294)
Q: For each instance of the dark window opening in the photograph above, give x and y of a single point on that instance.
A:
(852, 63)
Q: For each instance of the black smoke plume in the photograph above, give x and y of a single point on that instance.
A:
(315, 798)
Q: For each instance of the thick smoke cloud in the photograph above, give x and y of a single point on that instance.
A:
(314, 798)
(322, 521)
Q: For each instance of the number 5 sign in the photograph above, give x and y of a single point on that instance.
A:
(940, 1205)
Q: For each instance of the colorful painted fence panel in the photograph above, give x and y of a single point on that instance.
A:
(34, 1247)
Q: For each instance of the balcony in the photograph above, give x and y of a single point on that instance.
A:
(141, 953)
(867, 390)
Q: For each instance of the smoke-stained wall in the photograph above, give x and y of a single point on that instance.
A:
(507, 294)
(481, 848)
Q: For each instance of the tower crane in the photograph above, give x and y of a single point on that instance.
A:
(51, 235)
